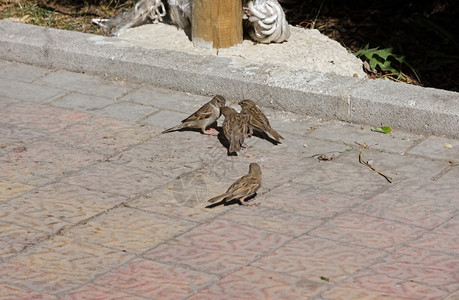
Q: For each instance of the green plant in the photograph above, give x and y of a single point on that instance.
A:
(382, 59)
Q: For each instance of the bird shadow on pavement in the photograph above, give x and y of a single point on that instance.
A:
(232, 202)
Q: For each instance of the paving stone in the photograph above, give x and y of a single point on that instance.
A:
(254, 283)
(104, 135)
(395, 142)
(126, 111)
(284, 121)
(14, 239)
(21, 72)
(44, 162)
(90, 291)
(117, 179)
(217, 247)
(372, 285)
(450, 177)
(155, 280)
(422, 203)
(165, 119)
(28, 91)
(434, 147)
(443, 238)
(270, 219)
(367, 231)
(40, 117)
(311, 257)
(87, 84)
(308, 201)
(10, 189)
(421, 266)
(185, 197)
(453, 296)
(82, 102)
(361, 180)
(167, 99)
(53, 207)
(129, 229)
(167, 155)
(11, 292)
(7, 101)
(14, 138)
(60, 265)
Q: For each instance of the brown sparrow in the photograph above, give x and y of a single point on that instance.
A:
(243, 188)
(203, 117)
(235, 127)
(257, 119)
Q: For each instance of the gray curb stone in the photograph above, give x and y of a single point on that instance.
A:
(373, 102)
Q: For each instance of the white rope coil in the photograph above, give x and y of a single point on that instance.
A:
(268, 21)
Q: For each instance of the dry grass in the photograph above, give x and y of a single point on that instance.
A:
(78, 19)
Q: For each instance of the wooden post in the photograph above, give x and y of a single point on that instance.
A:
(216, 23)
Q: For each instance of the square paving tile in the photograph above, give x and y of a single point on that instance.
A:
(9, 189)
(60, 264)
(28, 91)
(444, 238)
(372, 285)
(423, 267)
(55, 206)
(306, 200)
(127, 111)
(184, 197)
(130, 230)
(271, 219)
(367, 231)
(14, 239)
(15, 138)
(21, 72)
(155, 280)
(418, 202)
(90, 291)
(310, 258)
(434, 147)
(396, 142)
(91, 85)
(104, 135)
(167, 155)
(11, 292)
(217, 247)
(167, 99)
(82, 102)
(254, 283)
(40, 117)
(117, 179)
(43, 162)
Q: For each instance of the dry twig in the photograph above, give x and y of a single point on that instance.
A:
(363, 147)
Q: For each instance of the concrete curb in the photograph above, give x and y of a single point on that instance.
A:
(373, 102)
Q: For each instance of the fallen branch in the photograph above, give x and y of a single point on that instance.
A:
(363, 147)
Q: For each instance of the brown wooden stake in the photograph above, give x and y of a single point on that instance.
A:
(216, 23)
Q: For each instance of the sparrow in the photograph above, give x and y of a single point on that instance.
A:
(257, 119)
(243, 188)
(203, 117)
(235, 127)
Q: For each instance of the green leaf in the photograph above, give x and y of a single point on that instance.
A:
(382, 129)
(325, 278)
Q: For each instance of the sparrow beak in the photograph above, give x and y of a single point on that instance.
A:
(240, 103)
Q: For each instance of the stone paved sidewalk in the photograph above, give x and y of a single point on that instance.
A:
(96, 204)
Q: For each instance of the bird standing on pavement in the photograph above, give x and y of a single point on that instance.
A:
(203, 117)
(235, 128)
(257, 119)
(243, 188)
